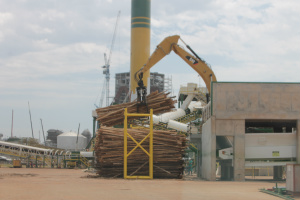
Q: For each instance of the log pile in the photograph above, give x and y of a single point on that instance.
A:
(114, 115)
(168, 150)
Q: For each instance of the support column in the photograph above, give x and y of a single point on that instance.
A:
(94, 126)
(239, 151)
(209, 149)
(277, 172)
(196, 139)
(43, 161)
(226, 171)
(199, 160)
(298, 142)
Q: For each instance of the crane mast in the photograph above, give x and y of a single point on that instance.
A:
(106, 67)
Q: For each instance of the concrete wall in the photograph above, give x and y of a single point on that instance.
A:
(256, 100)
(231, 104)
(235, 128)
(209, 150)
(298, 142)
(239, 150)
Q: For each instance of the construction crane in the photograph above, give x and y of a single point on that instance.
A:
(106, 67)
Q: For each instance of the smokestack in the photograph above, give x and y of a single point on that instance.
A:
(140, 42)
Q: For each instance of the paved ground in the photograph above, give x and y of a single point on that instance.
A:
(72, 184)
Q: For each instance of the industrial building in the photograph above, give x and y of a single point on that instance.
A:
(157, 82)
(51, 140)
(248, 125)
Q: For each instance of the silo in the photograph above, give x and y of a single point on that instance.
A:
(69, 141)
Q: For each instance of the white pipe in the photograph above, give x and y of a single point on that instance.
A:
(187, 101)
(170, 116)
(178, 126)
(195, 104)
(155, 119)
(167, 116)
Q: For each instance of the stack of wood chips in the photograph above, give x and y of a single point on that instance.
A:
(168, 150)
(114, 115)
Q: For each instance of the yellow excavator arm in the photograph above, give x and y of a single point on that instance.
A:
(164, 48)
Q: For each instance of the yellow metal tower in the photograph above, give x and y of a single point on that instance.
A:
(140, 42)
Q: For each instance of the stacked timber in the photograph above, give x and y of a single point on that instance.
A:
(168, 150)
(114, 115)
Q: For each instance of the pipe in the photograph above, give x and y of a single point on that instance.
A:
(178, 126)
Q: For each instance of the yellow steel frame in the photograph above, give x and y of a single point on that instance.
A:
(138, 144)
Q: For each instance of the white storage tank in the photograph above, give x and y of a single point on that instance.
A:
(68, 141)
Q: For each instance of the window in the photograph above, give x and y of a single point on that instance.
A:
(270, 126)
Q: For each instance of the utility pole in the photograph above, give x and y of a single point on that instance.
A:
(12, 123)
(77, 137)
(43, 132)
(30, 120)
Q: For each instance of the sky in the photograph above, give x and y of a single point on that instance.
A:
(52, 51)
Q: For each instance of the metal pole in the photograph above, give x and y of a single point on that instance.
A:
(94, 126)
(30, 120)
(43, 131)
(77, 137)
(12, 123)
(125, 144)
(151, 145)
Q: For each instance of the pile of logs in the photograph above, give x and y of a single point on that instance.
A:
(168, 150)
(114, 115)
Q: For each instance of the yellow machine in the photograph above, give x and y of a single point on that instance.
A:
(164, 48)
(17, 164)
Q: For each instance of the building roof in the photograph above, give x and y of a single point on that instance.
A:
(70, 134)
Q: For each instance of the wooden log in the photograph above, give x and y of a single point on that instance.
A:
(168, 153)
(114, 115)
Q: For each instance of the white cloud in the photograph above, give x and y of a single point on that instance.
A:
(51, 15)
(5, 17)
(40, 30)
(53, 48)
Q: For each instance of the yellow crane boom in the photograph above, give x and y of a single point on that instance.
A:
(164, 48)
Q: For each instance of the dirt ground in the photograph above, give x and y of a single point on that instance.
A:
(65, 184)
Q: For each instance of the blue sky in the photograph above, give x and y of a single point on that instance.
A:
(51, 52)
